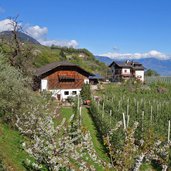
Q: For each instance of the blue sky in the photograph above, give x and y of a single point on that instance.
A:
(123, 27)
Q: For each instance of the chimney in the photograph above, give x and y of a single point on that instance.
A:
(127, 61)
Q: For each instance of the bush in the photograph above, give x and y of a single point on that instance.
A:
(85, 92)
(14, 91)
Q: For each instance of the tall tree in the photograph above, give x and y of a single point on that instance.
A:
(21, 55)
(151, 72)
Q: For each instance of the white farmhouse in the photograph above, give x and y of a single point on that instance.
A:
(63, 79)
(126, 70)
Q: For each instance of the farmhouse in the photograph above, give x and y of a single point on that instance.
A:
(63, 79)
(126, 70)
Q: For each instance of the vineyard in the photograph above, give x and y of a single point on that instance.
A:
(134, 123)
(161, 79)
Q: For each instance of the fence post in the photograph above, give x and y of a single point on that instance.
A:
(169, 131)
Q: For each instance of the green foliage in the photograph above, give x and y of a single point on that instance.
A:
(88, 125)
(158, 80)
(87, 61)
(151, 72)
(85, 92)
(11, 153)
(72, 50)
(71, 99)
(62, 54)
(2, 166)
(149, 105)
(37, 56)
(14, 93)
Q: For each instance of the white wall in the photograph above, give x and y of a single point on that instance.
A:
(140, 75)
(44, 84)
(62, 93)
(127, 71)
(63, 96)
(86, 81)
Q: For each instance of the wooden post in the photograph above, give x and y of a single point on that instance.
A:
(151, 117)
(98, 105)
(80, 110)
(142, 119)
(142, 115)
(127, 109)
(137, 107)
(80, 113)
(103, 111)
(109, 145)
(169, 131)
(124, 121)
(78, 105)
(110, 116)
(128, 117)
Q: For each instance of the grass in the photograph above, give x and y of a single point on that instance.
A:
(89, 125)
(67, 113)
(11, 153)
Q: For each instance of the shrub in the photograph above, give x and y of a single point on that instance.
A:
(85, 92)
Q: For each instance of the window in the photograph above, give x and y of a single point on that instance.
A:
(86, 81)
(125, 71)
(66, 92)
(66, 78)
(74, 92)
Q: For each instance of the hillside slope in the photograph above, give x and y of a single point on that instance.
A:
(44, 55)
(12, 156)
(21, 36)
(82, 57)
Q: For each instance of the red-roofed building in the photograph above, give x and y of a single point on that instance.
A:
(63, 79)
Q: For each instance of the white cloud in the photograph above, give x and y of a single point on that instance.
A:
(150, 54)
(5, 25)
(2, 10)
(39, 33)
(67, 43)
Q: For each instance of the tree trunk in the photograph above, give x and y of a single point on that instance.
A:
(138, 162)
(164, 167)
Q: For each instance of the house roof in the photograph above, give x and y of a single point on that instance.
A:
(128, 64)
(49, 67)
(96, 76)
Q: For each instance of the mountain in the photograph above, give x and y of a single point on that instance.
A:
(163, 67)
(104, 59)
(22, 36)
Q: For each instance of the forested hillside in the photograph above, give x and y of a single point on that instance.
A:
(42, 55)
